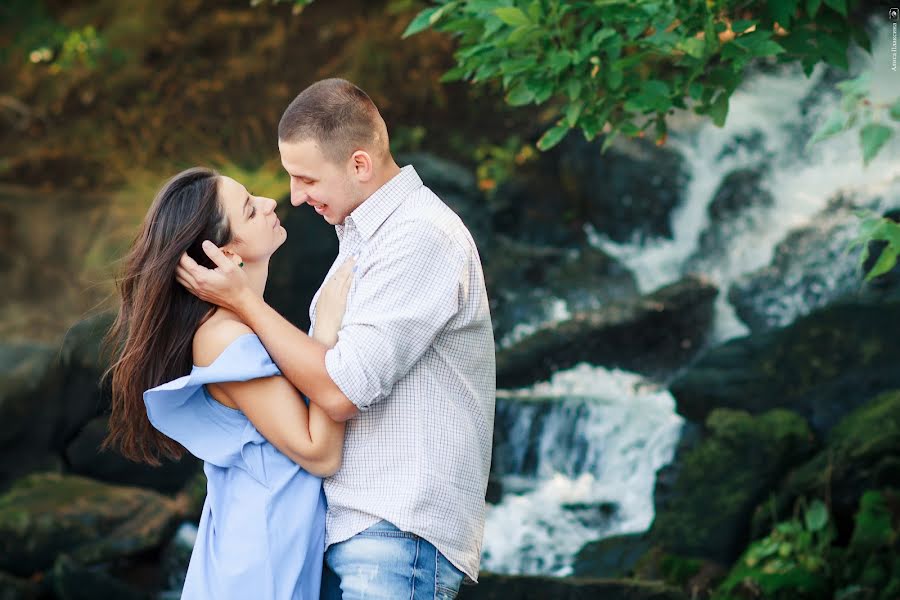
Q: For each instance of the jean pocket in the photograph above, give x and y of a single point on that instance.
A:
(385, 529)
(447, 578)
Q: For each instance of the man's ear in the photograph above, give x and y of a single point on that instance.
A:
(362, 166)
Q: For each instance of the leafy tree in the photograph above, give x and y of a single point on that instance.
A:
(620, 67)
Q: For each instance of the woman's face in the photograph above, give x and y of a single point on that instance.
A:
(255, 229)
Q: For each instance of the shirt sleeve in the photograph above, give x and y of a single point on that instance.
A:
(400, 304)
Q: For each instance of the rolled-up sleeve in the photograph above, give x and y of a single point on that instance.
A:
(400, 303)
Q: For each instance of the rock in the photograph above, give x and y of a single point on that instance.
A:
(715, 486)
(822, 366)
(82, 362)
(514, 587)
(862, 452)
(16, 588)
(45, 515)
(494, 492)
(83, 457)
(654, 333)
(628, 192)
(595, 515)
(30, 383)
(177, 556)
(526, 284)
(71, 580)
(297, 269)
(192, 496)
(735, 210)
(614, 556)
(811, 268)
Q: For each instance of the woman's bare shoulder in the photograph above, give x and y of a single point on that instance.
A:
(213, 336)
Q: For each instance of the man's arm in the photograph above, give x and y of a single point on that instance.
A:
(300, 358)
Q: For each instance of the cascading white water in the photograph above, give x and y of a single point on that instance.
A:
(599, 444)
(767, 108)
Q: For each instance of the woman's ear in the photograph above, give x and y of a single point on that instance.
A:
(234, 256)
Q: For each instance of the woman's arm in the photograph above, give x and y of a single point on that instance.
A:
(275, 408)
(304, 434)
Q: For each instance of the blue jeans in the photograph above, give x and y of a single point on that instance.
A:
(384, 563)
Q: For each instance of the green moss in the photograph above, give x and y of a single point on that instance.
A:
(678, 570)
(720, 481)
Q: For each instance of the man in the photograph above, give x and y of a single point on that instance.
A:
(413, 370)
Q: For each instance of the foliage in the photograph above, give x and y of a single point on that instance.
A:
(877, 123)
(875, 228)
(497, 162)
(791, 562)
(619, 67)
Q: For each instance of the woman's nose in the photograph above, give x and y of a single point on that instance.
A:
(269, 205)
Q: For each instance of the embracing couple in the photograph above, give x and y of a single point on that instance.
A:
(353, 461)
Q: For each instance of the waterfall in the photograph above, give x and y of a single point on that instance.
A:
(598, 438)
(770, 118)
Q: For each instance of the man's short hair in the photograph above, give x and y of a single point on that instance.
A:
(338, 116)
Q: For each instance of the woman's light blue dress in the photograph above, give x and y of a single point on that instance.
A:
(262, 532)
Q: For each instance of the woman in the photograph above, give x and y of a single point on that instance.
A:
(189, 375)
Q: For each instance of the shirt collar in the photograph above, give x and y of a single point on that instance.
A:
(375, 209)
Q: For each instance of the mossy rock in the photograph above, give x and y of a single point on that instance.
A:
(706, 511)
(83, 457)
(17, 588)
(30, 381)
(45, 515)
(523, 587)
(71, 580)
(862, 452)
(822, 366)
(610, 557)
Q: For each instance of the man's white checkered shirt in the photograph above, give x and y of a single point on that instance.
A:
(415, 354)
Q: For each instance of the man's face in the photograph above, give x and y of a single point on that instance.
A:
(327, 187)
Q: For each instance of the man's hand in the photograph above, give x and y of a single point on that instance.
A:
(224, 286)
(332, 304)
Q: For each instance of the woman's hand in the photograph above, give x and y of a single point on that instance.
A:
(332, 304)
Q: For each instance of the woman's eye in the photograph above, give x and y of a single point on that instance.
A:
(252, 212)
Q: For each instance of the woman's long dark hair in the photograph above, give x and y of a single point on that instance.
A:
(151, 339)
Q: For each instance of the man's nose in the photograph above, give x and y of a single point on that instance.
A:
(298, 196)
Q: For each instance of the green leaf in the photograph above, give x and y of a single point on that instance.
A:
(520, 33)
(614, 78)
(835, 124)
(695, 90)
(519, 96)
(812, 7)
(782, 11)
(513, 16)
(816, 516)
(573, 112)
(895, 110)
(719, 110)
(741, 26)
(421, 22)
(573, 88)
(601, 36)
(885, 263)
(455, 74)
(838, 5)
(552, 136)
(692, 47)
(872, 137)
